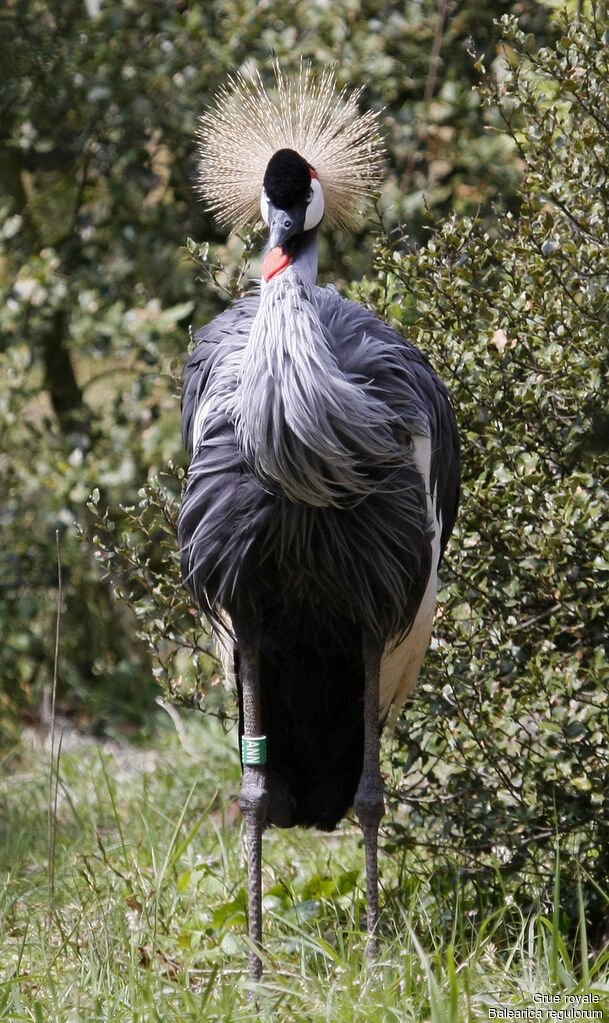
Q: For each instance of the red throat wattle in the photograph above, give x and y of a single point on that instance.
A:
(275, 262)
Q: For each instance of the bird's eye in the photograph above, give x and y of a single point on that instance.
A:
(310, 196)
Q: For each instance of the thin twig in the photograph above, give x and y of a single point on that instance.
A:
(430, 84)
(179, 727)
(54, 764)
(434, 60)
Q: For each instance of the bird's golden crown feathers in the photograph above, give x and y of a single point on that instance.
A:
(307, 113)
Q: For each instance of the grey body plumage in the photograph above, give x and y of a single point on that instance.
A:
(314, 441)
(323, 482)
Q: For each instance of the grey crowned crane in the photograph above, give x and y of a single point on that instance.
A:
(323, 481)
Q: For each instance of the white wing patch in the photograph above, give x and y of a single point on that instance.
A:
(401, 665)
(203, 410)
(225, 646)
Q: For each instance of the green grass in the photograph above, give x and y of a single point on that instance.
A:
(142, 917)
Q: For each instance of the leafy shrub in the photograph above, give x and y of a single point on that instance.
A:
(505, 748)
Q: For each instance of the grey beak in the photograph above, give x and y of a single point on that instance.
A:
(283, 224)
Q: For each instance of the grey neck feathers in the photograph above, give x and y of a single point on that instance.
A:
(304, 426)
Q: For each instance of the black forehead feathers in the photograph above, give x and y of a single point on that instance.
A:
(287, 178)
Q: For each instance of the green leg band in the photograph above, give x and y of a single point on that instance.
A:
(253, 750)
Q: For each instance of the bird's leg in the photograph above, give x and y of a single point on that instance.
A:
(369, 803)
(253, 797)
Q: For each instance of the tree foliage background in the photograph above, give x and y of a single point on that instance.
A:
(490, 252)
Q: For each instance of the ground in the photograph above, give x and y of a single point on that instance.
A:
(139, 912)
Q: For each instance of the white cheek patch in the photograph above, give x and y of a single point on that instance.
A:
(316, 206)
(264, 206)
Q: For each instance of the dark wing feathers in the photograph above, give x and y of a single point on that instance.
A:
(316, 575)
(369, 349)
(370, 352)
